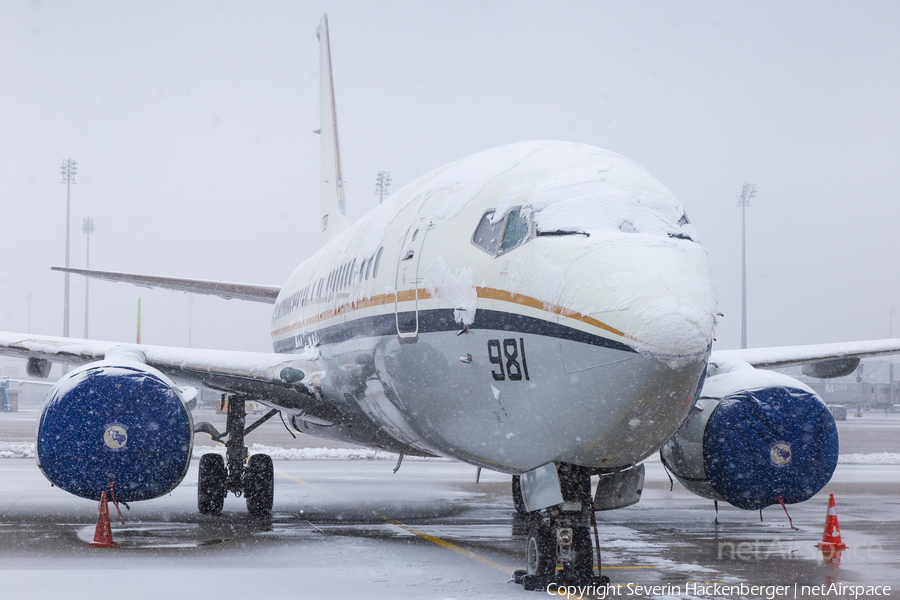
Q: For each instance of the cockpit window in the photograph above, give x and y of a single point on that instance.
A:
(518, 227)
(513, 230)
(487, 235)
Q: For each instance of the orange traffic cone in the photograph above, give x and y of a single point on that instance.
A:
(103, 533)
(831, 539)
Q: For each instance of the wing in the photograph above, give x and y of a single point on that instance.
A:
(788, 356)
(26, 381)
(288, 382)
(242, 291)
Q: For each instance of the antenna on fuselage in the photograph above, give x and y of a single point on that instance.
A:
(331, 182)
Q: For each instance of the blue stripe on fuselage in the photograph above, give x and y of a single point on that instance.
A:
(439, 320)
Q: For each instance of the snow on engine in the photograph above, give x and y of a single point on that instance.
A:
(118, 422)
(752, 437)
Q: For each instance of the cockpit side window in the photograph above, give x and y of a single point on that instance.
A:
(513, 230)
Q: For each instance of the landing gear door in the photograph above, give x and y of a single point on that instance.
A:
(408, 280)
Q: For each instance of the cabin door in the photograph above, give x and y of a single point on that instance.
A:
(409, 279)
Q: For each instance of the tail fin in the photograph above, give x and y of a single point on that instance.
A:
(331, 182)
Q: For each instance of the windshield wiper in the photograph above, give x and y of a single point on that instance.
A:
(560, 232)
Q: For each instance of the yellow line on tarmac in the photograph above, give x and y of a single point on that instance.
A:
(636, 567)
(430, 538)
(436, 540)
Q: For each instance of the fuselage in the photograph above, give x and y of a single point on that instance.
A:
(539, 302)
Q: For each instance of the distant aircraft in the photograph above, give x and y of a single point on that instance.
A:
(543, 309)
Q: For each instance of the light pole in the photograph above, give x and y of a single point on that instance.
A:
(891, 368)
(68, 171)
(382, 183)
(748, 192)
(87, 227)
(28, 300)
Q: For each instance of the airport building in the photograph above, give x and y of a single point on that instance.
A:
(869, 388)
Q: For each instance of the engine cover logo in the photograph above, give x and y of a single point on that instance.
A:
(115, 437)
(780, 453)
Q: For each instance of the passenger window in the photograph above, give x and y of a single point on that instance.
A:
(368, 268)
(511, 231)
(377, 262)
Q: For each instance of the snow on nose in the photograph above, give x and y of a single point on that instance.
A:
(657, 291)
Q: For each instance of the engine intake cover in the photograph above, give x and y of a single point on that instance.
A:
(773, 441)
(125, 424)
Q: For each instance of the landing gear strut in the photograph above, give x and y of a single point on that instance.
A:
(255, 481)
(559, 548)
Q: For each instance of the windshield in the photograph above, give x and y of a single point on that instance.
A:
(497, 238)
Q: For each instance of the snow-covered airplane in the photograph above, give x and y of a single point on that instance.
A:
(542, 309)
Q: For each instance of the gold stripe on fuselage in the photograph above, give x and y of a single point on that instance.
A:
(422, 294)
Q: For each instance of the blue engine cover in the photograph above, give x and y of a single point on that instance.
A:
(771, 441)
(114, 423)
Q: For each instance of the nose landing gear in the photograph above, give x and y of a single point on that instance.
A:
(559, 549)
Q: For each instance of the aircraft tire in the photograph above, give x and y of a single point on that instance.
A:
(211, 484)
(540, 552)
(518, 500)
(259, 484)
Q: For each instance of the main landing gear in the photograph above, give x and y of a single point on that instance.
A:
(559, 548)
(255, 480)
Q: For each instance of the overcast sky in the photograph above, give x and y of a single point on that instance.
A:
(192, 126)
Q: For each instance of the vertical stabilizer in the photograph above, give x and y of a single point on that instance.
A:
(331, 194)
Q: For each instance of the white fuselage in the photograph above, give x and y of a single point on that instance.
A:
(574, 326)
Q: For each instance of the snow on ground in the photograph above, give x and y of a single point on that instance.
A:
(26, 450)
(877, 458)
(312, 453)
(16, 449)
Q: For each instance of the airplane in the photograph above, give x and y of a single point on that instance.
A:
(542, 309)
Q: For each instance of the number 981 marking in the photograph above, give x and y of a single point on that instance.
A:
(507, 357)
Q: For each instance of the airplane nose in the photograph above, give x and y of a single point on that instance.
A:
(653, 304)
(657, 292)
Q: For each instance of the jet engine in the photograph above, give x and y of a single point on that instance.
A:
(116, 422)
(753, 436)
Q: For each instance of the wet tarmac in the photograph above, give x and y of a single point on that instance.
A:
(354, 529)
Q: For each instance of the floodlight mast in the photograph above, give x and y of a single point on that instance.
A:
(28, 297)
(746, 194)
(382, 183)
(891, 318)
(68, 171)
(87, 227)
